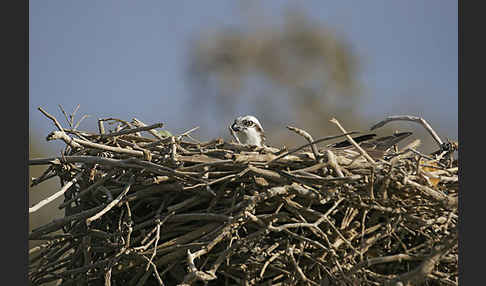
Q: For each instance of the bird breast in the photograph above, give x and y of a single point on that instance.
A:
(250, 136)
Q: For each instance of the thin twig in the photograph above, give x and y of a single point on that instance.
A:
(71, 116)
(186, 133)
(350, 139)
(134, 130)
(55, 195)
(154, 133)
(308, 137)
(110, 205)
(80, 120)
(66, 116)
(59, 127)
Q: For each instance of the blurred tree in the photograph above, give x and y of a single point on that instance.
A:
(302, 69)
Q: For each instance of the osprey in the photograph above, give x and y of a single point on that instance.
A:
(249, 131)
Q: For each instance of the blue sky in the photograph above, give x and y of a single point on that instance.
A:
(128, 58)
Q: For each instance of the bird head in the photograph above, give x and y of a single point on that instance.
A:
(248, 130)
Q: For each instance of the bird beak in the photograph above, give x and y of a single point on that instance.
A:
(235, 127)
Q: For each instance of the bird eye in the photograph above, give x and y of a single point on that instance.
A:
(248, 123)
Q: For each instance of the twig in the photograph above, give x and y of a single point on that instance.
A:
(333, 163)
(308, 137)
(79, 142)
(418, 275)
(350, 139)
(51, 118)
(59, 223)
(195, 274)
(134, 130)
(298, 269)
(88, 189)
(71, 116)
(56, 195)
(447, 201)
(47, 174)
(186, 133)
(110, 205)
(66, 116)
(154, 133)
(80, 120)
(101, 127)
(383, 259)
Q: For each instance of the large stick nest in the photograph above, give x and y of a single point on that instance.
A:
(169, 210)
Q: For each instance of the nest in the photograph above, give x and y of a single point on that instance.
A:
(173, 211)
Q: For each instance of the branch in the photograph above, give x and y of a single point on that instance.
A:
(56, 195)
(350, 139)
(308, 137)
(110, 205)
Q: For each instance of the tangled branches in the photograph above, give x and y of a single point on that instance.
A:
(172, 211)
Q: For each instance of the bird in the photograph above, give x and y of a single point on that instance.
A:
(248, 131)
(376, 148)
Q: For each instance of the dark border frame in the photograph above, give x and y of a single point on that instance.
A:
(15, 83)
